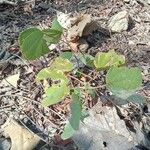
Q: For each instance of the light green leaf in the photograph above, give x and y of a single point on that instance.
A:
(56, 25)
(62, 64)
(109, 59)
(53, 74)
(32, 43)
(55, 94)
(66, 55)
(68, 131)
(123, 82)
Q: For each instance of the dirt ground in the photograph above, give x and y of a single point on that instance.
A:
(23, 102)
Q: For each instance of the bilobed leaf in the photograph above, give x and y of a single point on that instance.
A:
(32, 43)
(105, 60)
(55, 94)
(53, 74)
(68, 131)
(62, 64)
(123, 81)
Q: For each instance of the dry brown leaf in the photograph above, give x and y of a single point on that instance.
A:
(103, 129)
(21, 138)
(11, 80)
(66, 20)
(76, 30)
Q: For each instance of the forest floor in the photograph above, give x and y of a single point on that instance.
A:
(22, 102)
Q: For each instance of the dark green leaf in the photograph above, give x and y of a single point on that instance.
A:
(32, 43)
(123, 82)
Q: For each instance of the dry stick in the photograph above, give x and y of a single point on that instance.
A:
(85, 75)
(45, 118)
(6, 106)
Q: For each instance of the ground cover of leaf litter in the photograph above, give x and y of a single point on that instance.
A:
(21, 100)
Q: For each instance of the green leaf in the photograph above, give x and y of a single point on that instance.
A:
(32, 43)
(76, 109)
(66, 55)
(52, 36)
(88, 60)
(68, 131)
(55, 94)
(56, 25)
(109, 59)
(62, 64)
(74, 120)
(52, 74)
(136, 98)
(123, 82)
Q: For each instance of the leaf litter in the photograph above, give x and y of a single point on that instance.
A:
(51, 120)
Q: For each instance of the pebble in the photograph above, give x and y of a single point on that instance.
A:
(119, 22)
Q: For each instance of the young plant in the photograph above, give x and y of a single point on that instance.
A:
(121, 81)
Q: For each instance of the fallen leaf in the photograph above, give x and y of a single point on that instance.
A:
(76, 30)
(66, 20)
(11, 80)
(21, 138)
(103, 129)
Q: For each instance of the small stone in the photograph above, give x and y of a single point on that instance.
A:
(119, 22)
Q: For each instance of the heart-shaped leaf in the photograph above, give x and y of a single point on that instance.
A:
(55, 94)
(105, 60)
(32, 43)
(123, 82)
